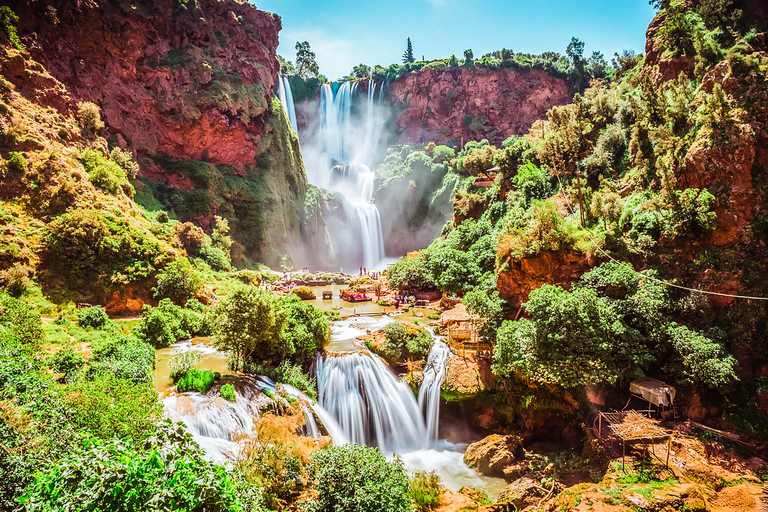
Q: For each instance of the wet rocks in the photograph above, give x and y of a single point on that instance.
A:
(492, 455)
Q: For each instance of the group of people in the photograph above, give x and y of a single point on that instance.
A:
(403, 299)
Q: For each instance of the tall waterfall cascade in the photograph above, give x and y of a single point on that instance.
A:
(286, 99)
(340, 155)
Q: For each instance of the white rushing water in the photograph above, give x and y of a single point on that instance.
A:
(429, 393)
(339, 155)
(285, 95)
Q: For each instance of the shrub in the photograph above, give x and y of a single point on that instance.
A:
(304, 293)
(249, 277)
(178, 281)
(191, 237)
(171, 473)
(8, 20)
(404, 342)
(167, 323)
(411, 274)
(351, 478)
(66, 361)
(17, 162)
(196, 379)
(19, 321)
(180, 364)
(89, 116)
(306, 329)
(227, 392)
(125, 160)
(104, 173)
(108, 407)
(16, 279)
(425, 490)
(94, 317)
(90, 243)
(122, 357)
(214, 257)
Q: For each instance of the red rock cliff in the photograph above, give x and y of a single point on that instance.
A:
(473, 104)
(191, 82)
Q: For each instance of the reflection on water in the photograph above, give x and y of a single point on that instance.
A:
(211, 359)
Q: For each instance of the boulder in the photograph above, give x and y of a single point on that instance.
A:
(522, 492)
(493, 454)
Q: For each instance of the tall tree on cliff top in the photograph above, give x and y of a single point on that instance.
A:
(306, 66)
(408, 55)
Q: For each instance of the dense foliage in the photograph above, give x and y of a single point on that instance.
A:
(168, 323)
(350, 478)
(403, 342)
(254, 323)
(613, 325)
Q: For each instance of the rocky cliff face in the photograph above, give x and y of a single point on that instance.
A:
(186, 86)
(473, 103)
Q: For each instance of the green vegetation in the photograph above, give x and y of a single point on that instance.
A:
(95, 317)
(349, 478)
(227, 392)
(195, 379)
(425, 490)
(167, 323)
(8, 20)
(178, 281)
(253, 323)
(405, 342)
(611, 326)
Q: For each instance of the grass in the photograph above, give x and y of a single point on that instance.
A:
(196, 380)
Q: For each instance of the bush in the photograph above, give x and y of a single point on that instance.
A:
(66, 361)
(249, 277)
(306, 329)
(89, 116)
(16, 279)
(191, 237)
(108, 407)
(167, 323)
(304, 293)
(215, 258)
(105, 173)
(171, 473)
(425, 490)
(125, 160)
(87, 244)
(180, 364)
(8, 20)
(19, 322)
(406, 342)
(178, 281)
(227, 392)
(122, 357)
(411, 274)
(17, 162)
(196, 379)
(351, 478)
(94, 317)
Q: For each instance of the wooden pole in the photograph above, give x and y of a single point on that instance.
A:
(669, 448)
(623, 452)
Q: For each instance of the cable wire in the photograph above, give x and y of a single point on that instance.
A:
(629, 267)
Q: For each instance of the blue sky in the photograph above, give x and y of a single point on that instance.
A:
(344, 33)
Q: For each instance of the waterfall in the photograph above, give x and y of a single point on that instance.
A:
(429, 393)
(214, 423)
(349, 150)
(372, 407)
(286, 99)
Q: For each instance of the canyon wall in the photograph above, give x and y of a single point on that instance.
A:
(186, 87)
(467, 104)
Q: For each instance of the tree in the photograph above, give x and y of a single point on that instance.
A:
(249, 322)
(575, 52)
(361, 71)
(353, 477)
(596, 65)
(178, 281)
(625, 61)
(306, 66)
(286, 66)
(408, 55)
(468, 56)
(219, 237)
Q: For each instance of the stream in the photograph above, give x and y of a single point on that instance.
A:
(360, 400)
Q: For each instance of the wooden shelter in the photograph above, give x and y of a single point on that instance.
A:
(655, 392)
(460, 329)
(633, 427)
